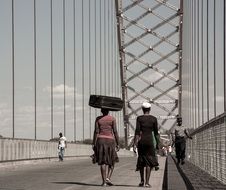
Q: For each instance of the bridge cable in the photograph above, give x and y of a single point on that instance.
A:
(95, 42)
(83, 90)
(13, 71)
(64, 69)
(105, 64)
(207, 47)
(51, 63)
(74, 71)
(90, 70)
(100, 50)
(35, 76)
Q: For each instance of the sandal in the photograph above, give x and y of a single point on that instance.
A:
(108, 181)
(156, 168)
(148, 185)
(104, 184)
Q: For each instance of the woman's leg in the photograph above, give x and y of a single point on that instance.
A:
(141, 176)
(103, 173)
(109, 173)
(148, 173)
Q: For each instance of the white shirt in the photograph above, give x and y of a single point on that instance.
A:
(62, 141)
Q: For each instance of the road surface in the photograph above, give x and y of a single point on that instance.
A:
(75, 174)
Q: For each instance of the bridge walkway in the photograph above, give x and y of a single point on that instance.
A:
(75, 174)
(82, 174)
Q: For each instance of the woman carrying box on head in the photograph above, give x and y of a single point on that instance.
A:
(105, 144)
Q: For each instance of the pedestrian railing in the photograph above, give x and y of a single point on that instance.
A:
(207, 149)
(25, 149)
(28, 149)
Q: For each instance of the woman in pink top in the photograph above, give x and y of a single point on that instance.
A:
(105, 144)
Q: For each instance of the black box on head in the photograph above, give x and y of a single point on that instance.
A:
(107, 102)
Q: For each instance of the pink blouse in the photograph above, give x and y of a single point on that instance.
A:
(105, 127)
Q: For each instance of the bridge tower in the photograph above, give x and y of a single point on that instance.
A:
(150, 49)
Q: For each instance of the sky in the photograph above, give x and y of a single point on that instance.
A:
(88, 58)
(90, 54)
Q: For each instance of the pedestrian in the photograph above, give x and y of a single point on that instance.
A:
(179, 140)
(61, 146)
(145, 125)
(105, 145)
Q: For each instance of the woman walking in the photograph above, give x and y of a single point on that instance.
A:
(105, 144)
(145, 125)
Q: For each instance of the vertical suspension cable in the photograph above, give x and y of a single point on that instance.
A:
(13, 77)
(109, 63)
(105, 62)
(224, 20)
(90, 128)
(195, 62)
(192, 64)
(74, 73)
(214, 54)
(100, 50)
(207, 49)
(118, 79)
(64, 67)
(95, 42)
(112, 47)
(116, 60)
(191, 8)
(35, 77)
(202, 63)
(51, 63)
(190, 71)
(83, 90)
(198, 63)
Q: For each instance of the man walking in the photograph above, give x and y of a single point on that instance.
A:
(61, 146)
(180, 134)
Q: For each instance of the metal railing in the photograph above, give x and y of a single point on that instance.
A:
(26, 149)
(207, 149)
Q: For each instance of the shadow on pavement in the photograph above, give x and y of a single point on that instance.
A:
(77, 183)
(92, 184)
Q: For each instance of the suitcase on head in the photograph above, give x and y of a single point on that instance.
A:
(107, 102)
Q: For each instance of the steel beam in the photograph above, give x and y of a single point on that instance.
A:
(136, 62)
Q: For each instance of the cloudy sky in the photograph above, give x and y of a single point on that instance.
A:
(90, 59)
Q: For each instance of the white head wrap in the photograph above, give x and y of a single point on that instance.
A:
(146, 105)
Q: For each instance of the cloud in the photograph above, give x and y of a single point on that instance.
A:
(220, 99)
(29, 88)
(58, 91)
(3, 105)
(26, 109)
(5, 114)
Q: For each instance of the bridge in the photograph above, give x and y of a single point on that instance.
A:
(55, 53)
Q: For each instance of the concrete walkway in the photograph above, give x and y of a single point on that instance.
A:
(75, 174)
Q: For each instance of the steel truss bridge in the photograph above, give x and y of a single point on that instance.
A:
(150, 49)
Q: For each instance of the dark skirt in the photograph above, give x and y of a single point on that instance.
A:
(146, 156)
(105, 152)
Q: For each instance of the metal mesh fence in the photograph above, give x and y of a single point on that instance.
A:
(207, 150)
